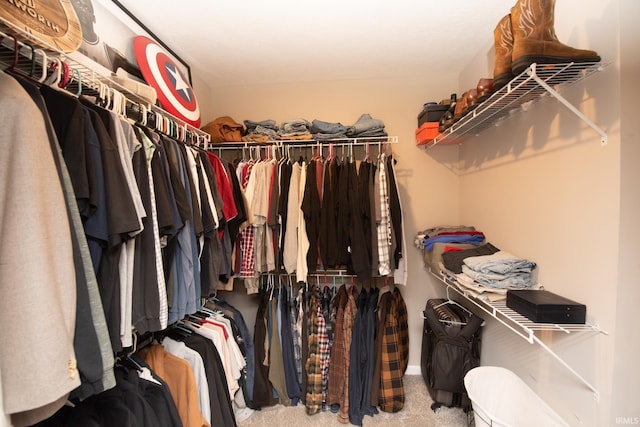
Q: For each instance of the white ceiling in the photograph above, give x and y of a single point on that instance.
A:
(258, 42)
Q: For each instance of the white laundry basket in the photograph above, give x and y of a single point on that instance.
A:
(500, 398)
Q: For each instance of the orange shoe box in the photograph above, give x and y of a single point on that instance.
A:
(426, 133)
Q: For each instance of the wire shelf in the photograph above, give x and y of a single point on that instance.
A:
(521, 325)
(536, 83)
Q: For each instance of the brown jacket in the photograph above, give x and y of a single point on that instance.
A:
(224, 129)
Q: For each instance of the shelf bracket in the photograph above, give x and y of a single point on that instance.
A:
(603, 135)
(596, 394)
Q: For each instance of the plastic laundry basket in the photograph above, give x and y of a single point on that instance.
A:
(500, 398)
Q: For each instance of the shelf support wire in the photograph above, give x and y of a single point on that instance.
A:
(533, 73)
(596, 394)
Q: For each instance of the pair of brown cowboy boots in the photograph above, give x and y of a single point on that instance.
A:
(521, 38)
(527, 36)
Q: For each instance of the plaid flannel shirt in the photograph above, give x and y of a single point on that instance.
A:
(314, 361)
(350, 312)
(336, 366)
(391, 397)
(403, 329)
(384, 226)
(326, 351)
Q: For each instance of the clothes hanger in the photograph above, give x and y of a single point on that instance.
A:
(44, 65)
(56, 77)
(12, 67)
(453, 302)
(78, 79)
(181, 328)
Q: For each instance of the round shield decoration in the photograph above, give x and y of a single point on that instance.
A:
(161, 72)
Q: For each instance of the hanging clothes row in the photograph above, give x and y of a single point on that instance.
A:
(113, 232)
(179, 377)
(321, 213)
(336, 349)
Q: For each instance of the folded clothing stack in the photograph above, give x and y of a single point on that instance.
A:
(366, 127)
(461, 254)
(322, 130)
(260, 131)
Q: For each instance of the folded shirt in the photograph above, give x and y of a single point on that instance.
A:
(453, 260)
(474, 237)
(501, 262)
(501, 281)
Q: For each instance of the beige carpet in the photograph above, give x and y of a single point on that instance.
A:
(416, 413)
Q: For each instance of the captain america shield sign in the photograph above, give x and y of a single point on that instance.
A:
(161, 72)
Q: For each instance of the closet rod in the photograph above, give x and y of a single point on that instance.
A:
(22, 51)
(307, 143)
(327, 273)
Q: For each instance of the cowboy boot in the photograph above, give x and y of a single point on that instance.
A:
(535, 40)
(503, 43)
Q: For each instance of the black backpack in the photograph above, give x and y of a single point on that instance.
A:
(450, 348)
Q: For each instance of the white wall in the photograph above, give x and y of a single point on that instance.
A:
(626, 371)
(542, 186)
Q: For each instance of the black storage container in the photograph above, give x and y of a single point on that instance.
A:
(431, 113)
(546, 307)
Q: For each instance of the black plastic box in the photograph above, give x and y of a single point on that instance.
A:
(546, 307)
(432, 113)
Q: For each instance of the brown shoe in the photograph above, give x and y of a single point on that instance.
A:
(535, 40)
(503, 45)
(472, 101)
(447, 118)
(461, 106)
(485, 89)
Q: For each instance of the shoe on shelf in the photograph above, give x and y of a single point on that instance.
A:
(484, 88)
(460, 107)
(447, 118)
(503, 46)
(535, 40)
(472, 101)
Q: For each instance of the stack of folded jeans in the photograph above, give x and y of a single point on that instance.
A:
(500, 270)
(262, 131)
(366, 127)
(294, 129)
(326, 130)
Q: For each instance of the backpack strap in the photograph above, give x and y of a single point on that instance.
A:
(472, 326)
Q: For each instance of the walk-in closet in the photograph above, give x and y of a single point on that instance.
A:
(273, 214)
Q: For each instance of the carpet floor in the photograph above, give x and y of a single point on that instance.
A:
(417, 412)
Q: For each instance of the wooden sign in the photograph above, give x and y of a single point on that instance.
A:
(53, 22)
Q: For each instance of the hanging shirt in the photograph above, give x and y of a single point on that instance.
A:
(179, 349)
(128, 145)
(303, 241)
(35, 228)
(290, 241)
(384, 221)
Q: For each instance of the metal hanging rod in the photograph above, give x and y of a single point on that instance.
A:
(308, 143)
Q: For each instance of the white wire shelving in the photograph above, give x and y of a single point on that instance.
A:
(521, 325)
(536, 83)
